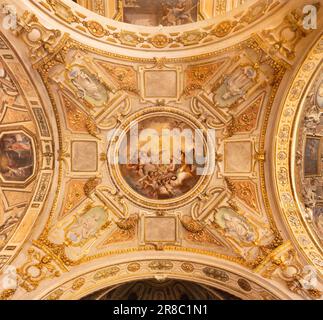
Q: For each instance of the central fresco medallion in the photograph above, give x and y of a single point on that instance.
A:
(161, 157)
(160, 179)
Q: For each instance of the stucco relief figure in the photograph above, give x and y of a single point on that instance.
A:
(238, 83)
(235, 86)
(88, 86)
(312, 196)
(235, 226)
(312, 119)
(16, 157)
(8, 221)
(319, 95)
(318, 219)
(309, 193)
(8, 91)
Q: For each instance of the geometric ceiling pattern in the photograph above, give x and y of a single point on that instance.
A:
(78, 222)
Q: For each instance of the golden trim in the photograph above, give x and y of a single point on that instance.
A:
(205, 35)
(286, 127)
(278, 64)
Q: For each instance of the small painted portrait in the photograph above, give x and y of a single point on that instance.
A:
(312, 157)
(234, 225)
(88, 86)
(160, 12)
(16, 157)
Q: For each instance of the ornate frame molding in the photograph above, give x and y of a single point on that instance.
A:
(282, 156)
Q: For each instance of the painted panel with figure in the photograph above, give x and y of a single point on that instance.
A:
(16, 157)
(161, 12)
(146, 174)
(235, 225)
(312, 157)
(87, 86)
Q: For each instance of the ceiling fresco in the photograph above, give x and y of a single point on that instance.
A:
(162, 12)
(83, 209)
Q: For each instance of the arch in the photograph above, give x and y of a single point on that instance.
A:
(163, 265)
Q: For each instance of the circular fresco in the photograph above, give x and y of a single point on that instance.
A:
(147, 173)
(161, 158)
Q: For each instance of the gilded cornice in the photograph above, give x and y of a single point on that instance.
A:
(159, 39)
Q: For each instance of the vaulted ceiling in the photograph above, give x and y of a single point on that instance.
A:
(75, 223)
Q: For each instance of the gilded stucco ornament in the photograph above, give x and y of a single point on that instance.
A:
(229, 211)
(40, 40)
(283, 264)
(290, 208)
(164, 270)
(113, 34)
(26, 151)
(110, 196)
(284, 38)
(37, 268)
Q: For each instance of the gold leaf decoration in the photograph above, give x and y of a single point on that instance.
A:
(126, 231)
(245, 190)
(198, 232)
(90, 186)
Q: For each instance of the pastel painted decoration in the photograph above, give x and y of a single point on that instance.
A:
(76, 230)
(16, 157)
(86, 226)
(233, 88)
(88, 86)
(234, 225)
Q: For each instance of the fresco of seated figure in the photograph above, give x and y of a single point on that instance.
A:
(164, 12)
(16, 157)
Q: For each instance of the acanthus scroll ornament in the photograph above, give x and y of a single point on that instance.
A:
(40, 40)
